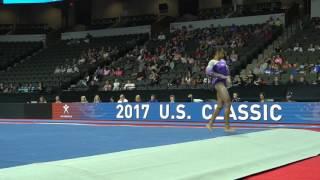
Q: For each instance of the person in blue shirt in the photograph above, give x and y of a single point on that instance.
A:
(153, 98)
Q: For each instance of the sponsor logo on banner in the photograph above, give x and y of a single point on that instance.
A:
(66, 113)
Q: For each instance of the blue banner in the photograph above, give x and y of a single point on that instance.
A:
(308, 113)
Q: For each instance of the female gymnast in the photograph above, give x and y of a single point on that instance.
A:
(218, 69)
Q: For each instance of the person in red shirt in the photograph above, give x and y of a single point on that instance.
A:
(118, 72)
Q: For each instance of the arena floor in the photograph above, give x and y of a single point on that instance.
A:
(109, 151)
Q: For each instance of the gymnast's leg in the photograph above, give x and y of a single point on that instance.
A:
(225, 97)
(216, 111)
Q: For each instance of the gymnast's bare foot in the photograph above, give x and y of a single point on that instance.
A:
(229, 129)
(209, 126)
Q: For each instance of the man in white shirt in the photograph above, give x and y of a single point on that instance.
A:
(81, 60)
(69, 69)
(116, 85)
(122, 99)
(57, 70)
(161, 37)
(297, 48)
(75, 68)
(311, 48)
(129, 86)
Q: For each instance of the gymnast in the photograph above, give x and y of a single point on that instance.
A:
(218, 69)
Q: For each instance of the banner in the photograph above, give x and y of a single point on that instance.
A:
(308, 113)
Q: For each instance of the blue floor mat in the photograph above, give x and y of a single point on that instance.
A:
(26, 144)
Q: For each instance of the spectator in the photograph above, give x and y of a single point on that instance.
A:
(96, 99)
(138, 99)
(1, 87)
(118, 72)
(311, 48)
(188, 79)
(94, 85)
(291, 81)
(57, 100)
(235, 97)
(172, 99)
(196, 68)
(263, 67)
(82, 83)
(122, 99)
(40, 87)
(42, 100)
(262, 97)
(278, 60)
(153, 98)
(129, 85)
(83, 99)
(276, 81)
(171, 65)
(154, 77)
(62, 69)
(237, 81)
(75, 68)
(87, 77)
(107, 86)
(251, 75)
(257, 70)
(289, 96)
(297, 48)
(81, 60)
(233, 56)
(302, 81)
(249, 80)
(111, 99)
(106, 71)
(278, 22)
(95, 78)
(318, 80)
(69, 69)
(190, 98)
(259, 82)
(141, 75)
(57, 70)
(116, 85)
(277, 49)
(161, 37)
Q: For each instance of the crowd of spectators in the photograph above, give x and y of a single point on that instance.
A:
(171, 53)
(96, 56)
(21, 88)
(284, 69)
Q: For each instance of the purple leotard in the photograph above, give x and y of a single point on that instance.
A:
(219, 71)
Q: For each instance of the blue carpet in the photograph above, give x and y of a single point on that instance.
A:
(26, 144)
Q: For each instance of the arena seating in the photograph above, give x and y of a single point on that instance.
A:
(13, 52)
(41, 67)
(294, 61)
(191, 42)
